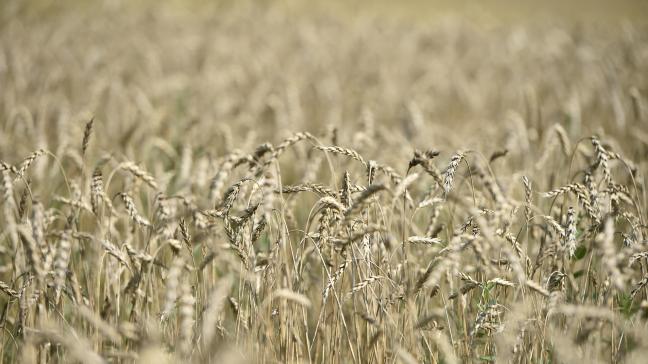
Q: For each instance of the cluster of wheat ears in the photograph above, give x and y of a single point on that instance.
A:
(244, 184)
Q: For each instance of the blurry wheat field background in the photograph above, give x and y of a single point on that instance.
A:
(323, 182)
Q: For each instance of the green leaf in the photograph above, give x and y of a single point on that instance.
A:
(580, 252)
(624, 301)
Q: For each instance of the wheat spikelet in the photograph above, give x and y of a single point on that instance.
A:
(112, 250)
(345, 192)
(605, 240)
(172, 287)
(593, 197)
(364, 283)
(563, 139)
(554, 225)
(8, 167)
(268, 185)
(9, 206)
(432, 229)
(7, 290)
(583, 197)
(278, 151)
(402, 186)
(86, 136)
(468, 286)
(211, 315)
(537, 288)
(569, 239)
(491, 186)
(61, 263)
(424, 159)
(448, 175)
(320, 189)
(218, 181)
(27, 162)
(423, 240)
(555, 286)
(186, 313)
(79, 348)
(574, 187)
(22, 203)
(343, 151)
(360, 201)
(175, 244)
(527, 197)
(330, 202)
(297, 137)
(132, 211)
(336, 276)
(140, 173)
(261, 150)
(97, 193)
(231, 194)
(292, 296)
(74, 203)
(102, 326)
(601, 160)
(445, 347)
(240, 252)
(37, 222)
(32, 250)
(637, 257)
(422, 279)
(137, 256)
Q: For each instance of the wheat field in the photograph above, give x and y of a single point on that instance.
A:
(255, 183)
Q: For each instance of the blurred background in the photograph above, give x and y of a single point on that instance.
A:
(422, 10)
(498, 10)
(242, 72)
